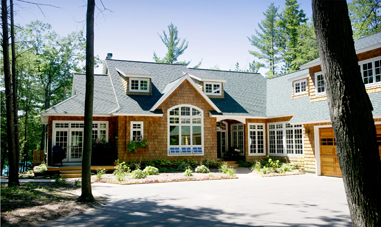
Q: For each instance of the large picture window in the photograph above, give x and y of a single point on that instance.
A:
(285, 139)
(256, 139)
(185, 130)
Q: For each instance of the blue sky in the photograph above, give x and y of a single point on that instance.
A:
(217, 31)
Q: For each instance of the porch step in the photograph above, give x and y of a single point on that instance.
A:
(232, 164)
(71, 173)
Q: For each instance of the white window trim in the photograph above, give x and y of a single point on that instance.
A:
(141, 129)
(374, 71)
(317, 93)
(211, 93)
(180, 146)
(300, 82)
(284, 140)
(256, 143)
(232, 136)
(139, 90)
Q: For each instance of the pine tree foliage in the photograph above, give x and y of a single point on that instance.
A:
(290, 20)
(175, 46)
(365, 17)
(266, 40)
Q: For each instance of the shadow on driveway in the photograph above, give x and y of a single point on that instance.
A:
(150, 212)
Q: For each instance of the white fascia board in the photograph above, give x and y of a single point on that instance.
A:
(359, 51)
(186, 77)
(205, 80)
(138, 115)
(278, 116)
(133, 75)
(73, 115)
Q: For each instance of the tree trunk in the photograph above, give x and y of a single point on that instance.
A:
(12, 158)
(46, 105)
(87, 195)
(15, 84)
(351, 112)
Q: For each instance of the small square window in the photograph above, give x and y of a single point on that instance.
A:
(300, 87)
(213, 88)
(139, 85)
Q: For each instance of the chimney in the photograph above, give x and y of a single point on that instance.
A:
(109, 56)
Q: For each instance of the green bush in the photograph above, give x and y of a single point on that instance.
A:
(188, 172)
(150, 170)
(183, 166)
(138, 174)
(224, 167)
(121, 168)
(242, 163)
(100, 173)
(202, 169)
(231, 171)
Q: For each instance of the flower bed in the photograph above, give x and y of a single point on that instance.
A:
(164, 178)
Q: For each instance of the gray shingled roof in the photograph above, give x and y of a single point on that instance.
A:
(361, 43)
(104, 98)
(279, 101)
(204, 74)
(237, 100)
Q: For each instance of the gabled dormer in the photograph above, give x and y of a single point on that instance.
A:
(210, 84)
(137, 82)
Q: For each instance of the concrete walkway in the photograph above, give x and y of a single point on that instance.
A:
(302, 200)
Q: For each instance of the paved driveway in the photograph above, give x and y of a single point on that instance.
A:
(304, 200)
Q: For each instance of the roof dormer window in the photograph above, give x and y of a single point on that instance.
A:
(213, 88)
(139, 85)
(300, 87)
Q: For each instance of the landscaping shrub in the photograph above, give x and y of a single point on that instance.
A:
(242, 163)
(202, 169)
(150, 170)
(188, 172)
(100, 173)
(231, 171)
(138, 174)
(224, 167)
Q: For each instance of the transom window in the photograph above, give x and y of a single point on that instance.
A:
(213, 88)
(256, 139)
(139, 85)
(371, 71)
(300, 87)
(185, 131)
(136, 133)
(319, 83)
(285, 139)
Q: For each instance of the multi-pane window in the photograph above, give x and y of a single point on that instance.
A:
(136, 131)
(371, 71)
(256, 139)
(319, 83)
(300, 87)
(185, 130)
(237, 134)
(285, 139)
(213, 88)
(139, 85)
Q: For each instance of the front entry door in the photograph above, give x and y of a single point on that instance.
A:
(76, 146)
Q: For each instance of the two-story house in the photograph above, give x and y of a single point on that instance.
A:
(210, 114)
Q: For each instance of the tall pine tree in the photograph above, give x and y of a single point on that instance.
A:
(290, 20)
(365, 16)
(175, 46)
(266, 40)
